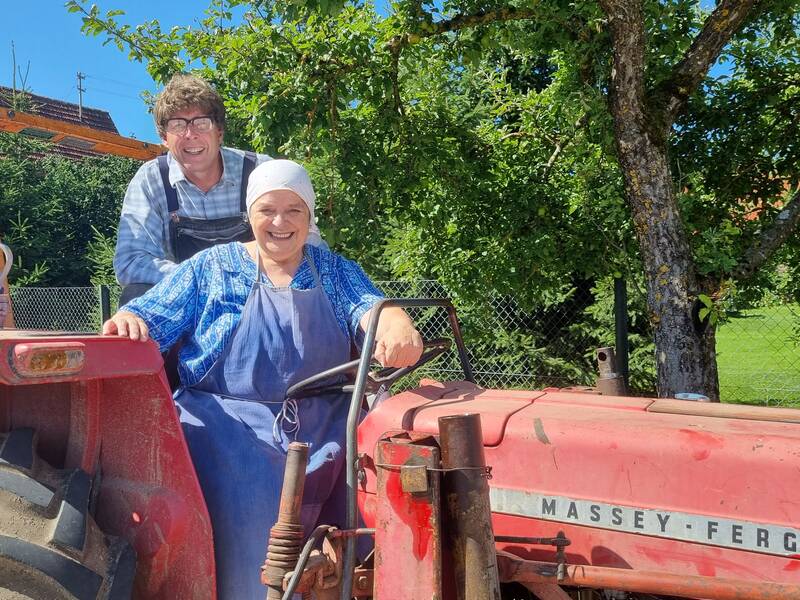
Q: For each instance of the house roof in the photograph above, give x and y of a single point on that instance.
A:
(60, 110)
(93, 134)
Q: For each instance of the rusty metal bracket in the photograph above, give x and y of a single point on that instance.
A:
(487, 470)
(560, 542)
(414, 478)
(319, 571)
(561, 557)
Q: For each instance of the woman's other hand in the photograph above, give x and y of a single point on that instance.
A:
(398, 344)
(126, 324)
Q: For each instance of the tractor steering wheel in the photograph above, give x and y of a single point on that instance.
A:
(384, 377)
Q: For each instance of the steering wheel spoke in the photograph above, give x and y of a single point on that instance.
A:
(383, 377)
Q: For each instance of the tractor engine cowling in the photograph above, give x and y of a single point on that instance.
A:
(688, 494)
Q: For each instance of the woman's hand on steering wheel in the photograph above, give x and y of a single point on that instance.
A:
(399, 346)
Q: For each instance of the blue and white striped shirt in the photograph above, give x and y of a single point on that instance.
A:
(143, 252)
(204, 297)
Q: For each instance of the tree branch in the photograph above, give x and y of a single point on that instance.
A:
(111, 28)
(785, 223)
(461, 22)
(722, 23)
(562, 143)
(394, 74)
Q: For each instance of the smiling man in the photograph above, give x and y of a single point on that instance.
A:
(189, 199)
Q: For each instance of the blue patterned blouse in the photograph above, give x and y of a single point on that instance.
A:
(203, 299)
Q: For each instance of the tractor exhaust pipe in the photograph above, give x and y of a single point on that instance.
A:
(466, 505)
(286, 536)
(610, 381)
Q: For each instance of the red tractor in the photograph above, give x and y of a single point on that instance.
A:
(466, 492)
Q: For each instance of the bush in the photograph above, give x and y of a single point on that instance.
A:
(50, 208)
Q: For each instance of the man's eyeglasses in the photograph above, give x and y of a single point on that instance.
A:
(179, 125)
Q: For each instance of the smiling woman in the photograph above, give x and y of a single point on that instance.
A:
(280, 217)
(280, 222)
(258, 318)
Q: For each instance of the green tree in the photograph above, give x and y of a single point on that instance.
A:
(40, 194)
(523, 147)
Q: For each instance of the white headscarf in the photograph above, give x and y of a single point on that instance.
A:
(281, 174)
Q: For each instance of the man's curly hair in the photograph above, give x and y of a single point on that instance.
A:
(186, 92)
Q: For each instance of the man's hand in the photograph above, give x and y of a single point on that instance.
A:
(400, 345)
(126, 324)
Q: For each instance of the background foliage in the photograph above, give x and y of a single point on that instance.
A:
(481, 152)
(59, 215)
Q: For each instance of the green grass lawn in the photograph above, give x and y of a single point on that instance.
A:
(759, 357)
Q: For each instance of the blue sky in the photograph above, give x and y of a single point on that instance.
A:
(45, 34)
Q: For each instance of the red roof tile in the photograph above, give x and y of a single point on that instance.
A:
(63, 111)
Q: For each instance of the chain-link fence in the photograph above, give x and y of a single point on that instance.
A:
(57, 308)
(499, 355)
(758, 352)
(758, 355)
(505, 351)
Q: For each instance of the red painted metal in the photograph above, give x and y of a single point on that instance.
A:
(105, 357)
(408, 540)
(613, 450)
(116, 416)
(422, 408)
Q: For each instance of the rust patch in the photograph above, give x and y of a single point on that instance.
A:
(538, 428)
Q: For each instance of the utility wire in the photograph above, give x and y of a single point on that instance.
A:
(109, 92)
(126, 84)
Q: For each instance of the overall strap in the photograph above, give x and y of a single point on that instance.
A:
(169, 191)
(313, 267)
(172, 205)
(247, 167)
(258, 268)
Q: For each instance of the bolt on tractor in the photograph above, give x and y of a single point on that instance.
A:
(453, 491)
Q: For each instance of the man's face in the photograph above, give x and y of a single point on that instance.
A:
(197, 152)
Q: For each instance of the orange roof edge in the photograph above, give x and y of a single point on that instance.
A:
(102, 141)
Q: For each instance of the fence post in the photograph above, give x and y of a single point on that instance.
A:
(105, 303)
(621, 325)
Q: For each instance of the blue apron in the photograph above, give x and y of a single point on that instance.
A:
(238, 426)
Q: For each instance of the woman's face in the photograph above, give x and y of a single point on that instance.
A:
(280, 221)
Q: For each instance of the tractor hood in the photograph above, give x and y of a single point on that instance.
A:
(420, 409)
(664, 485)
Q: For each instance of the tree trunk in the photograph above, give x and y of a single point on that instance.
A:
(685, 351)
